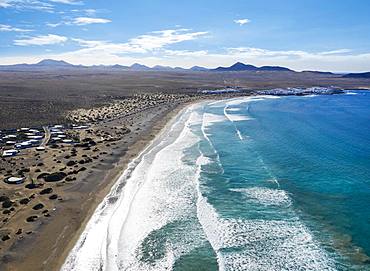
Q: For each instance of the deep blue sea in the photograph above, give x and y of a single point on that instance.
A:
(255, 183)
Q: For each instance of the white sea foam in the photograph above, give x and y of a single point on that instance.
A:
(266, 196)
(233, 118)
(159, 191)
(255, 244)
(217, 104)
(351, 93)
(213, 118)
(206, 136)
(268, 97)
(238, 101)
(241, 100)
(164, 197)
(203, 160)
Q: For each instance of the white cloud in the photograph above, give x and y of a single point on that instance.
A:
(186, 53)
(242, 21)
(81, 20)
(336, 52)
(27, 4)
(90, 43)
(5, 3)
(90, 20)
(159, 39)
(41, 40)
(8, 28)
(142, 44)
(288, 54)
(258, 52)
(54, 24)
(90, 11)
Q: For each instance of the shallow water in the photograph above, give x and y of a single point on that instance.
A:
(260, 183)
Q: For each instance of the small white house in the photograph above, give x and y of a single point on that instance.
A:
(10, 143)
(14, 180)
(9, 153)
(10, 137)
(35, 137)
(24, 145)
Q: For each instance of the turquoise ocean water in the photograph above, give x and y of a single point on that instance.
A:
(259, 183)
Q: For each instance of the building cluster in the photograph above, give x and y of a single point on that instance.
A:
(13, 141)
(301, 91)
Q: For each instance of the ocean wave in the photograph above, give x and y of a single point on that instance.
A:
(203, 160)
(260, 244)
(156, 194)
(210, 118)
(255, 244)
(266, 196)
(206, 137)
(240, 100)
(233, 118)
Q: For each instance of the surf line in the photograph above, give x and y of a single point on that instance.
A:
(236, 128)
(203, 129)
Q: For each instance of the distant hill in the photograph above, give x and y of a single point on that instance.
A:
(139, 67)
(365, 75)
(198, 69)
(237, 67)
(274, 68)
(42, 65)
(52, 63)
(246, 67)
(117, 66)
(162, 68)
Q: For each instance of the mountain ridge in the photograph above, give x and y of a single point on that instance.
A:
(236, 67)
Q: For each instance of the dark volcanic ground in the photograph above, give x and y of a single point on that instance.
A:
(33, 98)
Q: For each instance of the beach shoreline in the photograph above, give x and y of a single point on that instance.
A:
(143, 143)
(48, 248)
(125, 224)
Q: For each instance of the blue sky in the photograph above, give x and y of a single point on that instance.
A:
(308, 34)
